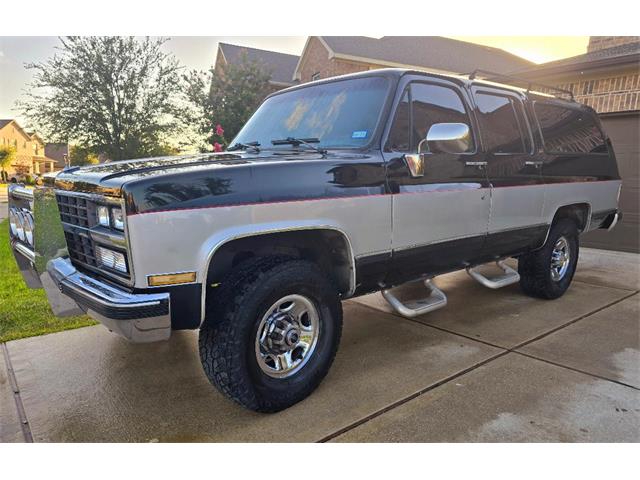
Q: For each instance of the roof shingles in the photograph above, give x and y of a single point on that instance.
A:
(281, 65)
(439, 53)
(618, 52)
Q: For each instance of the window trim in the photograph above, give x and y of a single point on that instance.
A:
(568, 107)
(458, 90)
(527, 132)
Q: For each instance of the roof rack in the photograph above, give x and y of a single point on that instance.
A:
(489, 75)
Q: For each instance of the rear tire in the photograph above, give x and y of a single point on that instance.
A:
(547, 272)
(264, 302)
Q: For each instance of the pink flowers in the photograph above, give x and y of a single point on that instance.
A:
(217, 137)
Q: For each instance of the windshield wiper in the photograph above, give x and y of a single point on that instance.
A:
(296, 142)
(244, 146)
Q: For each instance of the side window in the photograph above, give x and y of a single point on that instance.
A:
(431, 104)
(422, 106)
(502, 124)
(568, 130)
(399, 134)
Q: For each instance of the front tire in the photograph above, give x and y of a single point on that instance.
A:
(547, 272)
(272, 333)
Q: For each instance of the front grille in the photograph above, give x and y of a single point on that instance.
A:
(78, 215)
(81, 248)
(73, 210)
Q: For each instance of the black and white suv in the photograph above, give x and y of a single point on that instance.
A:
(333, 189)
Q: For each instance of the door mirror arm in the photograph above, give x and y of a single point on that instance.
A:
(416, 161)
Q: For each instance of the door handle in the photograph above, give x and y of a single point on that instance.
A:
(531, 163)
(476, 164)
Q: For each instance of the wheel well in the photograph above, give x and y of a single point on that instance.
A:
(578, 212)
(329, 249)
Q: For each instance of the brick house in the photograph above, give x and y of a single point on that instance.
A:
(607, 78)
(280, 65)
(30, 156)
(324, 57)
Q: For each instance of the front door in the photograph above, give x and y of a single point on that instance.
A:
(439, 219)
(515, 172)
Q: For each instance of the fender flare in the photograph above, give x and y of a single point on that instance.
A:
(587, 222)
(221, 238)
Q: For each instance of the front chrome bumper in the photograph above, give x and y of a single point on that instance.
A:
(137, 317)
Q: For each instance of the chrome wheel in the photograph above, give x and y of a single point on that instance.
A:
(287, 336)
(560, 259)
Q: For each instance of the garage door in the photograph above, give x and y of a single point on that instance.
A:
(624, 130)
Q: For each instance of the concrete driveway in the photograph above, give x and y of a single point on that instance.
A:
(492, 366)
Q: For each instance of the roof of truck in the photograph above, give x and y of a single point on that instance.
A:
(396, 73)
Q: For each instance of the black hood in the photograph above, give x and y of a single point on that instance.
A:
(109, 178)
(227, 179)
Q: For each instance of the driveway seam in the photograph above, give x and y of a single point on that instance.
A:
(394, 314)
(605, 286)
(575, 320)
(413, 396)
(573, 369)
(22, 416)
(520, 345)
(505, 351)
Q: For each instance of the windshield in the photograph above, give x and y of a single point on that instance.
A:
(341, 114)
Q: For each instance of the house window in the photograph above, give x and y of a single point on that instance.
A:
(315, 76)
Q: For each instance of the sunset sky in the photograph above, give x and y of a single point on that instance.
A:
(199, 53)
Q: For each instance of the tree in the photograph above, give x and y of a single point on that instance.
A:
(226, 98)
(79, 156)
(118, 96)
(7, 155)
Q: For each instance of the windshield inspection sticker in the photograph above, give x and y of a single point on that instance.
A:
(359, 134)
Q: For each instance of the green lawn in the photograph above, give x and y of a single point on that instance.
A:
(25, 312)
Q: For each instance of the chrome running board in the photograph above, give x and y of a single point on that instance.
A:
(436, 299)
(509, 277)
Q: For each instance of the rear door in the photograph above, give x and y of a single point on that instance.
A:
(513, 169)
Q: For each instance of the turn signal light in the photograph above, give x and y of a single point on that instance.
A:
(171, 279)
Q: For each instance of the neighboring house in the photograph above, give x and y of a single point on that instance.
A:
(280, 65)
(30, 156)
(58, 152)
(324, 57)
(607, 78)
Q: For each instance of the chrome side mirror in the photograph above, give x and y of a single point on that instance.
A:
(449, 138)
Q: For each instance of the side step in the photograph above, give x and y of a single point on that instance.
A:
(436, 299)
(509, 277)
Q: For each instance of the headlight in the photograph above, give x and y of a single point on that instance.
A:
(13, 222)
(111, 259)
(20, 225)
(103, 216)
(28, 228)
(118, 219)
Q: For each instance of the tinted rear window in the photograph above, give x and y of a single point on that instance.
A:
(569, 130)
(502, 125)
